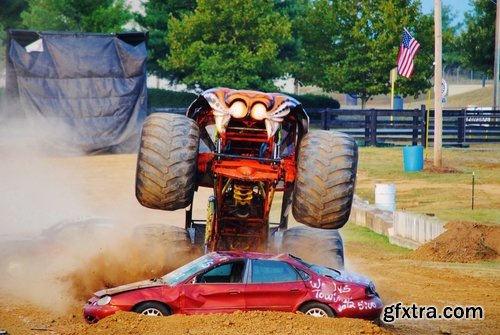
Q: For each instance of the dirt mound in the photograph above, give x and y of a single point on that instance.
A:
(230, 324)
(463, 242)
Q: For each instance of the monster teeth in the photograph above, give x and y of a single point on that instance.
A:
(271, 127)
(221, 122)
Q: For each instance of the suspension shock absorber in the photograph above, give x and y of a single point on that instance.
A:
(242, 194)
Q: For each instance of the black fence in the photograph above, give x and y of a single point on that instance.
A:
(379, 127)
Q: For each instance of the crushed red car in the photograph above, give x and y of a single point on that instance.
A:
(225, 282)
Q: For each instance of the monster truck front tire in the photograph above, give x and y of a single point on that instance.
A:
(166, 164)
(326, 176)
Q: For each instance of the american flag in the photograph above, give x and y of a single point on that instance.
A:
(408, 50)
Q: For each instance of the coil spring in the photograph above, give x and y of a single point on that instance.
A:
(242, 194)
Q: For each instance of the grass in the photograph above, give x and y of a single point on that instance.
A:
(480, 97)
(445, 195)
(365, 236)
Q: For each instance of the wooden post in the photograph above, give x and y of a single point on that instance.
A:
(414, 128)
(327, 119)
(438, 108)
(423, 127)
(373, 128)
(461, 128)
(323, 119)
(367, 127)
(496, 90)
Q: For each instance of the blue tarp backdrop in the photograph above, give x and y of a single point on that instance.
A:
(91, 85)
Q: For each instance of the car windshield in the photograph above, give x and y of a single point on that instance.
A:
(184, 272)
(323, 271)
(318, 269)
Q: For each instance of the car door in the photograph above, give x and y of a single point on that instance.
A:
(216, 290)
(273, 285)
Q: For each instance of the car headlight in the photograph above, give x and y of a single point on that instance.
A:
(104, 300)
(370, 290)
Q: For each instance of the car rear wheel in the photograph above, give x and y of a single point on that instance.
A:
(152, 309)
(317, 309)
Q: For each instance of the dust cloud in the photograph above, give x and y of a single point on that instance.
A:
(36, 191)
(127, 262)
(67, 222)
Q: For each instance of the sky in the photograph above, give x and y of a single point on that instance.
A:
(458, 6)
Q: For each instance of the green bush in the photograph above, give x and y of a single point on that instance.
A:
(316, 101)
(170, 99)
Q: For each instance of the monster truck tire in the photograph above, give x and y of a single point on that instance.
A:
(166, 164)
(326, 175)
(162, 233)
(168, 244)
(314, 245)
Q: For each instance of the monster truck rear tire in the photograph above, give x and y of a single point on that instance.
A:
(162, 233)
(167, 244)
(315, 245)
(166, 164)
(326, 176)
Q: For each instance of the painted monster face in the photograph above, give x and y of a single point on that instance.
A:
(227, 104)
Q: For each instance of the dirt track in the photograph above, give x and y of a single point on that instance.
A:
(104, 186)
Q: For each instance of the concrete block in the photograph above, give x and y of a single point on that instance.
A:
(403, 242)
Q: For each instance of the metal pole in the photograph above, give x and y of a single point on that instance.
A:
(496, 92)
(473, 182)
(438, 111)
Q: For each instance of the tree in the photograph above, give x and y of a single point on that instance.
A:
(350, 47)
(477, 42)
(76, 15)
(451, 52)
(10, 18)
(228, 45)
(290, 53)
(10, 14)
(155, 20)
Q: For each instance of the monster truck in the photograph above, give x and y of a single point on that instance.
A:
(248, 145)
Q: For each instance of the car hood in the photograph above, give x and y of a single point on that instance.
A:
(130, 287)
(351, 277)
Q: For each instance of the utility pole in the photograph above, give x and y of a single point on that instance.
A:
(496, 91)
(438, 109)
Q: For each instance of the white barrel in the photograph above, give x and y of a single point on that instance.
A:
(385, 196)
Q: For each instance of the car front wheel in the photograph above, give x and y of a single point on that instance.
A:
(152, 309)
(317, 309)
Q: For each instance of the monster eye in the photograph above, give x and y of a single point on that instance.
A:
(238, 109)
(258, 112)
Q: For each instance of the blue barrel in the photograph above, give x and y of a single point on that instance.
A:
(413, 158)
(351, 100)
(398, 102)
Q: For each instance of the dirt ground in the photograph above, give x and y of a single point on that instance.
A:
(46, 297)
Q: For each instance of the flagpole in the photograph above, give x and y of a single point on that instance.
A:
(392, 76)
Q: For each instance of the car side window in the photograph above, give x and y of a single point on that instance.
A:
(271, 271)
(225, 273)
